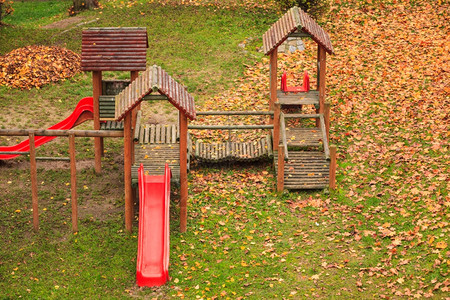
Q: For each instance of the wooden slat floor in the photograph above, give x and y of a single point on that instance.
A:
(155, 146)
(305, 170)
(304, 137)
(233, 151)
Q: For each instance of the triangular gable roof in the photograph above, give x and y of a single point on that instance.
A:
(114, 49)
(295, 19)
(154, 79)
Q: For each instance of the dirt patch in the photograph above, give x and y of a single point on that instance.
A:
(64, 23)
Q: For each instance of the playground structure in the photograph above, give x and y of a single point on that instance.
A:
(302, 156)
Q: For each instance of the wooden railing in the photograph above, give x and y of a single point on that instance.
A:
(72, 134)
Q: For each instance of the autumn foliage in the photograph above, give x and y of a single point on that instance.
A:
(5, 9)
(34, 66)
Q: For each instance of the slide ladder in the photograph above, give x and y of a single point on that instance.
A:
(153, 243)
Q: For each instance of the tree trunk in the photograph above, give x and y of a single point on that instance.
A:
(84, 4)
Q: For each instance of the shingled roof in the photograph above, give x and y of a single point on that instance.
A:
(114, 49)
(154, 79)
(295, 20)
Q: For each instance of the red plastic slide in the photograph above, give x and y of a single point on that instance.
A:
(295, 89)
(153, 245)
(83, 112)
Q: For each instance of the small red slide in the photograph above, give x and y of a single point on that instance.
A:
(153, 244)
(83, 112)
(295, 89)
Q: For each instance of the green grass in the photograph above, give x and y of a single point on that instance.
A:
(243, 239)
(31, 14)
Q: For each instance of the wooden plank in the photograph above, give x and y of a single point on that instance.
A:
(280, 169)
(174, 134)
(302, 98)
(158, 134)
(73, 183)
(98, 142)
(333, 166)
(324, 137)
(33, 174)
(302, 116)
(234, 113)
(229, 127)
(147, 135)
(183, 125)
(127, 152)
(152, 133)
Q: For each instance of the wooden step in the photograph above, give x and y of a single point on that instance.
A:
(305, 170)
(301, 98)
(304, 137)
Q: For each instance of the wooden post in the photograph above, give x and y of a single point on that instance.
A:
(280, 174)
(276, 125)
(183, 171)
(34, 192)
(322, 73)
(98, 141)
(332, 167)
(127, 144)
(273, 79)
(326, 116)
(73, 182)
(134, 75)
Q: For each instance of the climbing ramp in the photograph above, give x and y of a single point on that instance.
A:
(234, 151)
(308, 163)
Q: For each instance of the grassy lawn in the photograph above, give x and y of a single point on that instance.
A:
(383, 233)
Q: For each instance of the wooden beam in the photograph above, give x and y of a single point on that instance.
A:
(229, 127)
(234, 113)
(273, 78)
(34, 192)
(276, 126)
(49, 132)
(280, 171)
(73, 183)
(322, 74)
(183, 125)
(326, 116)
(134, 75)
(333, 166)
(127, 158)
(98, 142)
(299, 35)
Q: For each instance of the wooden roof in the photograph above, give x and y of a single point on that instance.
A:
(295, 20)
(154, 79)
(114, 49)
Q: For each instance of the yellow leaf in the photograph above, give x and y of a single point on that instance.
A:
(441, 245)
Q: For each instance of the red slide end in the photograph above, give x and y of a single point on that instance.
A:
(152, 267)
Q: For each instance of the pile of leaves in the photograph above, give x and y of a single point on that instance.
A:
(34, 66)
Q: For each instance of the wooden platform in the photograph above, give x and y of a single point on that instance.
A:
(233, 151)
(154, 157)
(305, 170)
(304, 137)
(155, 146)
(301, 98)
